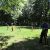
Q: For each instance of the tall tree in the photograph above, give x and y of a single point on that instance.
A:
(12, 6)
(41, 9)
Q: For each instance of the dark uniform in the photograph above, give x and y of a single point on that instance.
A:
(44, 32)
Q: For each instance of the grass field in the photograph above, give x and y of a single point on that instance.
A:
(27, 35)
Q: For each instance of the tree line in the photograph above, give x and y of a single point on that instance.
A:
(21, 12)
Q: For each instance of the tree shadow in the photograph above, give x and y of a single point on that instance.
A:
(29, 44)
(3, 40)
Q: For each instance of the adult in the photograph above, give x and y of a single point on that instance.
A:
(44, 32)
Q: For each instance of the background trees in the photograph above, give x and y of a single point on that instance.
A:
(12, 6)
(11, 9)
(36, 11)
(25, 12)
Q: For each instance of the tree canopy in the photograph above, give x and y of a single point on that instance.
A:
(26, 10)
(13, 6)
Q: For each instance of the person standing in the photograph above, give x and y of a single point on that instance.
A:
(12, 26)
(44, 32)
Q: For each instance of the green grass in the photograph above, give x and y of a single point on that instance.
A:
(18, 34)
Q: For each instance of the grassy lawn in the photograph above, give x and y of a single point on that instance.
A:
(8, 37)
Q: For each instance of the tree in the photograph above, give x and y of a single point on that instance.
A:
(40, 10)
(13, 7)
(5, 17)
(28, 12)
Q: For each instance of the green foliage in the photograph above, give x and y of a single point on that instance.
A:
(5, 17)
(12, 6)
(35, 11)
(41, 9)
(28, 10)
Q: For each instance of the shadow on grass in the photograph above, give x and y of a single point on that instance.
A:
(29, 44)
(3, 40)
